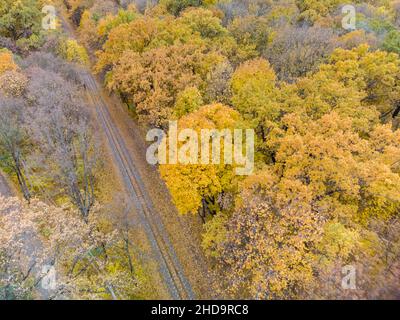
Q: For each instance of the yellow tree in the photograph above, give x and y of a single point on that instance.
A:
(187, 101)
(72, 51)
(265, 253)
(195, 184)
(139, 35)
(7, 61)
(310, 209)
(254, 92)
(374, 73)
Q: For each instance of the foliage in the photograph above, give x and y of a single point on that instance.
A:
(13, 83)
(7, 61)
(296, 51)
(154, 93)
(176, 6)
(325, 105)
(14, 139)
(392, 42)
(302, 214)
(19, 19)
(57, 237)
(74, 52)
(193, 185)
(187, 101)
(253, 85)
(61, 128)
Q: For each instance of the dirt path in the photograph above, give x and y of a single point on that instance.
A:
(175, 248)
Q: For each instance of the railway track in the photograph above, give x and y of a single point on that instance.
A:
(170, 268)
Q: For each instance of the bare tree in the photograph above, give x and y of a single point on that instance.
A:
(14, 139)
(47, 61)
(218, 88)
(298, 50)
(242, 8)
(62, 128)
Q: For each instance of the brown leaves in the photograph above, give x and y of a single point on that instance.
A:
(154, 79)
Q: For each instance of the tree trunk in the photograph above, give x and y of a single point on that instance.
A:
(22, 181)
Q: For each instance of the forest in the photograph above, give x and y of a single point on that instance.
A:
(318, 82)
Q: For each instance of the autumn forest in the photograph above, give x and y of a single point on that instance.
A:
(274, 129)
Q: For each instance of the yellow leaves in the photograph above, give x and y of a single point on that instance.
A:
(203, 22)
(375, 73)
(74, 52)
(153, 79)
(355, 83)
(7, 61)
(257, 70)
(213, 116)
(139, 35)
(267, 247)
(190, 184)
(187, 101)
(337, 242)
(253, 87)
(356, 38)
(214, 234)
(314, 9)
(110, 22)
(87, 30)
(187, 185)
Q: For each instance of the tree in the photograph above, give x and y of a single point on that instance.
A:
(63, 133)
(153, 80)
(253, 86)
(356, 38)
(240, 8)
(204, 22)
(13, 84)
(110, 22)
(74, 52)
(195, 187)
(265, 252)
(7, 62)
(218, 87)
(19, 19)
(71, 72)
(312, 10)
(295, 51)
(88, 31)
(374, 73)
(177, 6)
(311, 210)
(8, 44)
(35, 237)
(392, 42)
(187, 101)
(136, 36)
(251, 32)
(14, 142)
